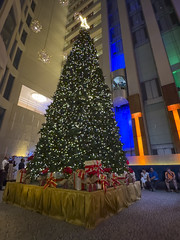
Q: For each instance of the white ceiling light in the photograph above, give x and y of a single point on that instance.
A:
(38, 97)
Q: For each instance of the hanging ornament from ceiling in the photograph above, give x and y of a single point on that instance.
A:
(64, 2)
(36, 26)
(44, 56)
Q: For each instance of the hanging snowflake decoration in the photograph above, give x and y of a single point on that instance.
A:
(36, 26)
(43, 56)
(64, 2)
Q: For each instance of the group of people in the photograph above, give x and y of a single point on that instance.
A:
(150, 179)
(8, 169)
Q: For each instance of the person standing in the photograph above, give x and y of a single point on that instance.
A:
(153, 179)
(21, 164)
(3, 171)
(11, 170)
(170, 177)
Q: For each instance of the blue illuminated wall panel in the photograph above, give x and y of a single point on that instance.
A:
(116, 46)
(123, 119)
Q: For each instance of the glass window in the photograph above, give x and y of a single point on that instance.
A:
(151, 89)
(137, 19)
(23, 36)
(140, 36)
(13, 48)
(22, 3)
(3, 78)
(2, 112)
(17, 58)
(1, 3)
(9, 85)
(133, 5)
(28, 20)
(8, 28)
(33, 6)
(20, 26)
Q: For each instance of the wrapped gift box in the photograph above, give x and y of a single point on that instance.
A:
(79, 180)
(21, 174)
(42, 179)
(58, 176)
(93, 166)
(90, 187)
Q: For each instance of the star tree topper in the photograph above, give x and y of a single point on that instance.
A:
(84, 22)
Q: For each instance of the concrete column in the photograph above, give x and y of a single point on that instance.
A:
(135, 101)
(159, 52)
(168, 86)
(171, 99)
(105, 44)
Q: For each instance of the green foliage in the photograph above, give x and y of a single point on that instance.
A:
(80, 123)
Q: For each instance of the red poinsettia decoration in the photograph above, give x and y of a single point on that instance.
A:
(108, 170)
(127, 162)
(45, 171)
(30, 158)
(67, 170)
(130, 170)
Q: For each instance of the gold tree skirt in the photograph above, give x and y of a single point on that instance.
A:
(78, 207)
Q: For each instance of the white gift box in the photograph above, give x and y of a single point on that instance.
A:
(79, 184)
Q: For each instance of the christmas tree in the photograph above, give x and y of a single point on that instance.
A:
(80, 123)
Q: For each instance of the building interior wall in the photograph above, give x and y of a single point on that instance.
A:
(19, 126)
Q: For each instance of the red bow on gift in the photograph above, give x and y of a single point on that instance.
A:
(45, 171)
(81, 173)
(104, 182)
(108, 170)
(22, 171)
(94, 169)
(115, 182)
(51, 181)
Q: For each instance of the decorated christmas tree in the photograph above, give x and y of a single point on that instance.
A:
(80, 123)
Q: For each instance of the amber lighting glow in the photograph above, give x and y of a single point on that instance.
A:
(174, 108)
(136, 117)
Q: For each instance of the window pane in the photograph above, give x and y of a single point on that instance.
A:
(3, 79)
(8, 28)
(22, 3)
(23, 37)
(17, 58)
(9, 85)
(33, 6)
(2, 112)
(28, 20)
(1, 3)
(13, 48)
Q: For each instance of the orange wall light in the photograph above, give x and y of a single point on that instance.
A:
(174, 108)
(136, 117)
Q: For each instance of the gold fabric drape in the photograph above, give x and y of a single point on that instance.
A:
(77, 207)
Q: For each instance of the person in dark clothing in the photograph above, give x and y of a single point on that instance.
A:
(21, 164)
(3, 172)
